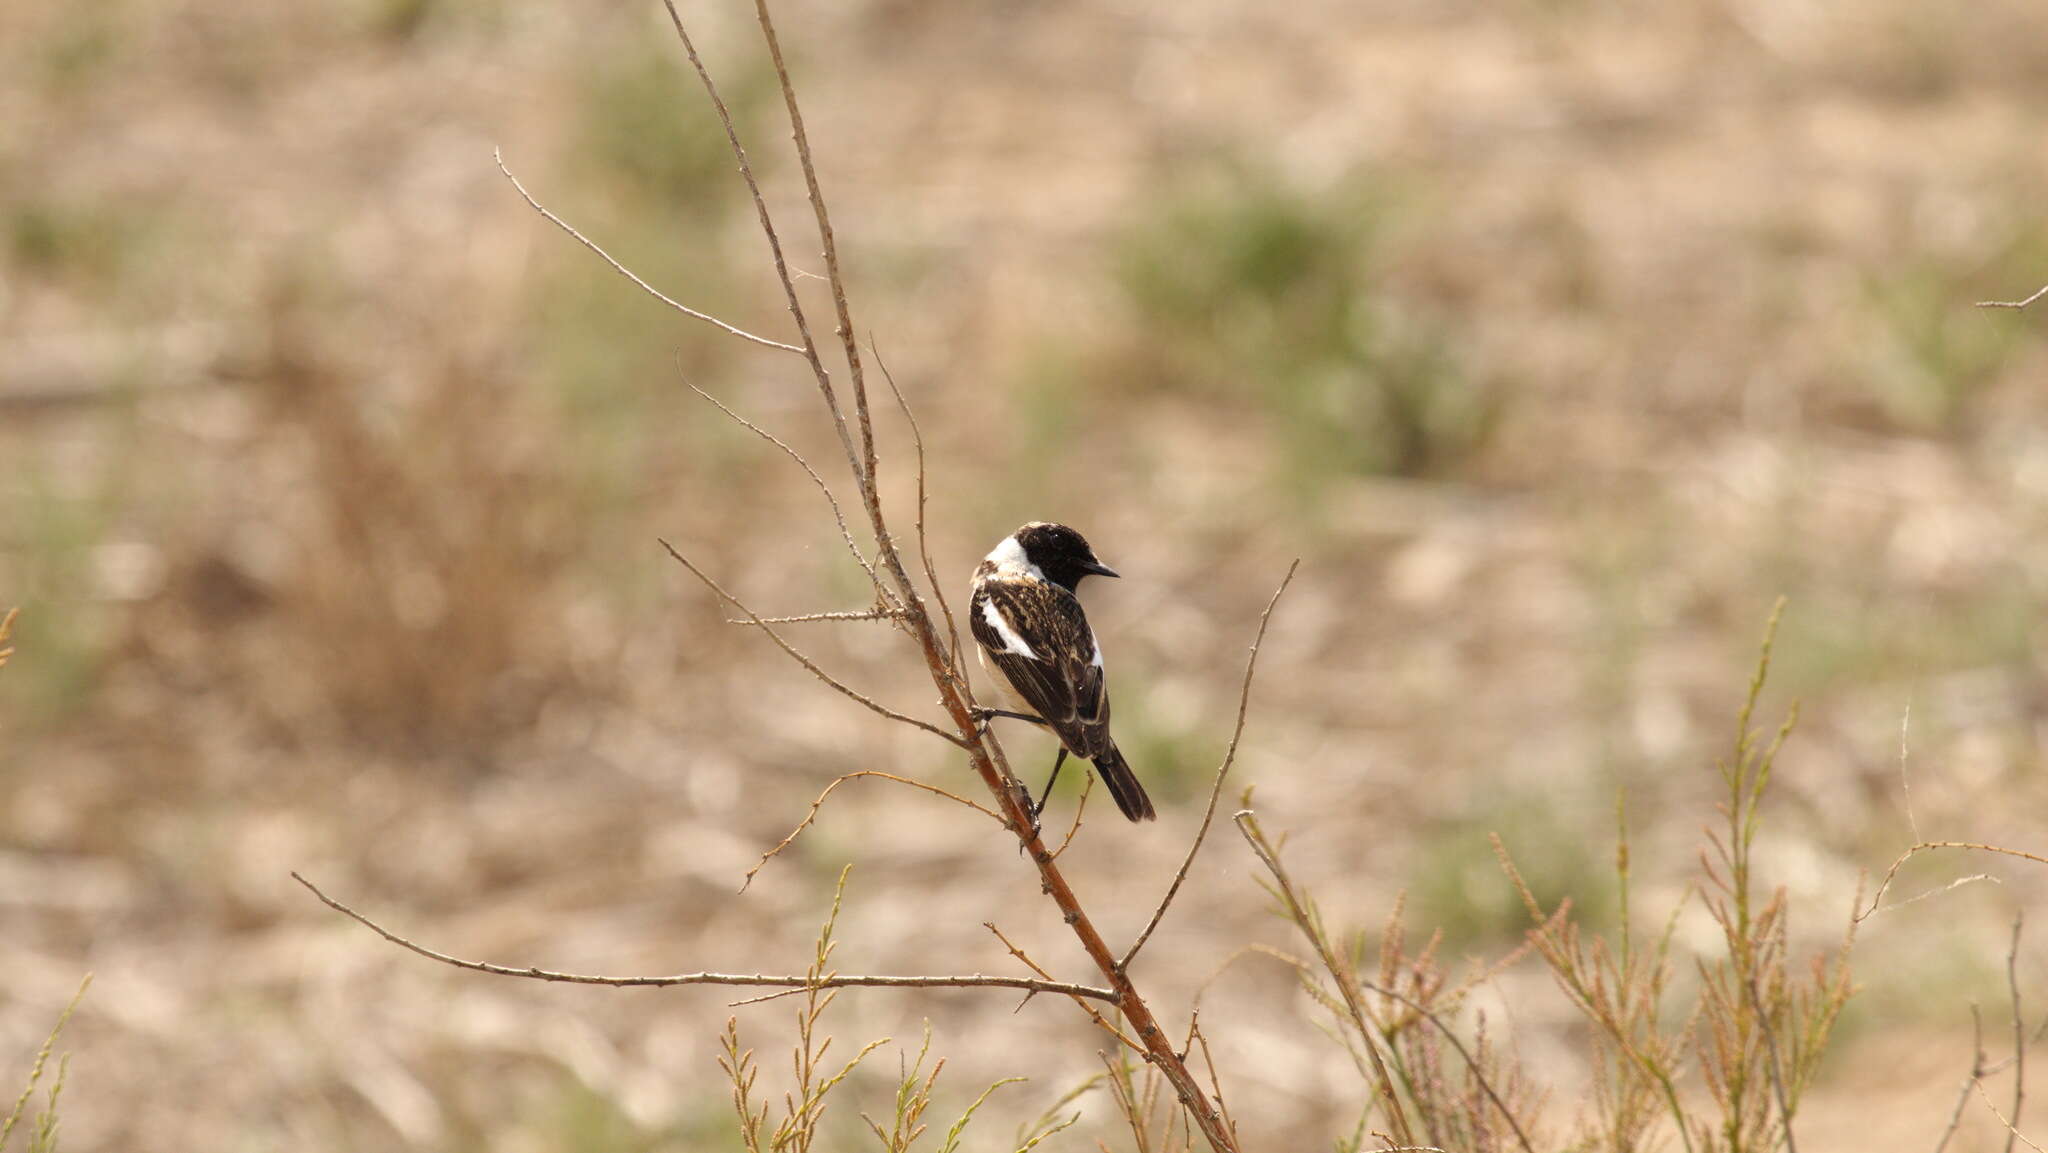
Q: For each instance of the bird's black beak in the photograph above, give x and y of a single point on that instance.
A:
(1099, 569)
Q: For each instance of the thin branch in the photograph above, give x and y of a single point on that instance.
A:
(2019, 1035)
(863, 615)
(1937, 891)
(756, 620)
(629, 274)
(1925, 845)
(924, 551)
(2038, 294)
(838, 516)
(1209, 1059)
(1094, 1014)
(1087, 787)
(1977, 1073)
(1906, 782)
(2010, 1128)
(850, 346)
(796, 983)
(1244, 699)
(803, 324)
(819, 803)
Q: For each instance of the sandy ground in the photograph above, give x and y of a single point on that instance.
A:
(329, 479)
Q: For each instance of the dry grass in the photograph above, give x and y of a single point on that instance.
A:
(333, 479)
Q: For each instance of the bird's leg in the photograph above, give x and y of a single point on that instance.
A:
(1038, 806)
(983, 716)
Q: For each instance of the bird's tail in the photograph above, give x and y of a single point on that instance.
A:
(1123, 785)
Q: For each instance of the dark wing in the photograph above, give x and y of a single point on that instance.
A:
(1054, 670)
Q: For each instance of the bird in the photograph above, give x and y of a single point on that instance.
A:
(1035, 642)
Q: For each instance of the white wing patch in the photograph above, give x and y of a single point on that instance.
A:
(1097, 662)
(1012, 643)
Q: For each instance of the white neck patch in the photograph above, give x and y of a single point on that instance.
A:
(1010, 555)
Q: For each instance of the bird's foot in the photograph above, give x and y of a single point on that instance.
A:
(1025, 802)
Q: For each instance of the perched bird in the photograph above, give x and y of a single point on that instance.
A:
(1030, 629)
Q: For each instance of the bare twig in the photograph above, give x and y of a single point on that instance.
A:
(809, 347)
(1094, 1014)
(924, 550)
(755, 619)
(629, 274)
(848, 344)
(2019, 1034)
(1128, 1105)
(1209, 1059)
(1244, 700)
(794, 982)
(819, 803)
(1977, 1072)
(1923, 846)
(1081, 806)
(1906, 782)
(2038, 294)
(1937, 891)
(2012, 1131)
(867, 566)
(864, 615)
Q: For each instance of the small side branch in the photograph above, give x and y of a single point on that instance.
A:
(924, 551)
(755, 619)
(1977, 1073)
(629, 274)
(863, 615)
(2038, 294)
(809, 347)
(1244, 700)
(1094, 1014)
(2012, 1131)
(819, 803)
(2019, 1032)
(1080, 807)
(838, 516)
(827, 981)
(1924, 846)
(848, 344)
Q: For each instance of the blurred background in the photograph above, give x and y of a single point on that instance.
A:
(1557, 337)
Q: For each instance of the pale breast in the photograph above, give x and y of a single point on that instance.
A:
(994, 676)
